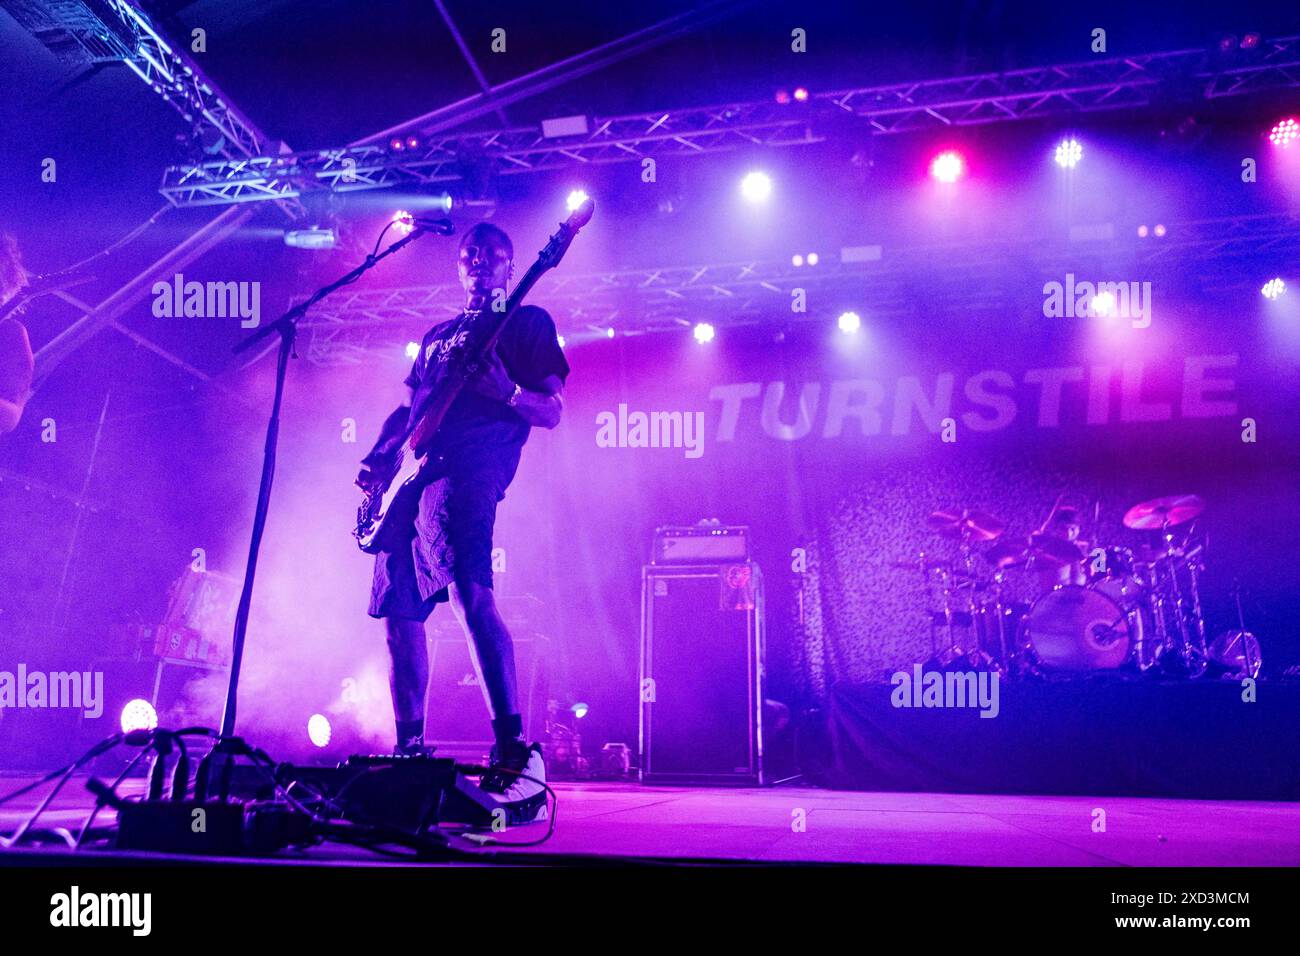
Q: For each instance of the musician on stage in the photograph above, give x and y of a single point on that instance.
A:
(437, 544)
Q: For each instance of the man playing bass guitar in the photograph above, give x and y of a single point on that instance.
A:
(437, 539)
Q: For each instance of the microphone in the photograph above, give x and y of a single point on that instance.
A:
(443, 227)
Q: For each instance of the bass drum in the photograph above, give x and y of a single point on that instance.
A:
(1074, 628)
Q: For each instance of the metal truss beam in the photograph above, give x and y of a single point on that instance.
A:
(174, 76)
(1110, 84)
(354, 326)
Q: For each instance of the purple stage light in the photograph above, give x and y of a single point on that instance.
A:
(1284, 133)
(1068, 153)
(397, 144)
(783, 97)
(704, 332)
(1273, 288)
(948, 166)
(756, 187)
(138, 714)
(318, 729)
(849, 322)
(576, 198)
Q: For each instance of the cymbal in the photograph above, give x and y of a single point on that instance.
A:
(1163, 512)
(1054, 550)
(961, 522)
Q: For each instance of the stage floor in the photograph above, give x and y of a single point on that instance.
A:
(626, 820)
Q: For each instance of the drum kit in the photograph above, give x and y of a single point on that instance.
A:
(1099, 607)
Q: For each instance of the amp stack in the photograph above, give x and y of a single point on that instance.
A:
(702, 639)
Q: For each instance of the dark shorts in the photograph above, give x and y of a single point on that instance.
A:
(439, 532)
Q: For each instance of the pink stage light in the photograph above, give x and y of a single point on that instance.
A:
(1284, 133)
(403, 222)
(948, 166)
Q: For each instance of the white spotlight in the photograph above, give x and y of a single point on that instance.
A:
(576, 199)
(318, 730)
(1273, 288)
(756, 187)
(704, 332)
(1068, 153)
(849, 322)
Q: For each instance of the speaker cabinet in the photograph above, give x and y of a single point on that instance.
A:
(702, 674)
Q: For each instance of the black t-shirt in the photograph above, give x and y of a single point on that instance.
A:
(480, 432)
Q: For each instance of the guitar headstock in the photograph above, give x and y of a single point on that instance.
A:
(558, 245)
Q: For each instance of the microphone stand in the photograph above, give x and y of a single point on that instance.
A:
(228, 745)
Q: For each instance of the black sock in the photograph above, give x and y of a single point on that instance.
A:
(410, 733)
(507, 729)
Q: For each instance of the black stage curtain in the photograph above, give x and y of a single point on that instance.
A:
(1098, 736)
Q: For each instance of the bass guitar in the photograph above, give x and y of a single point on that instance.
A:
(412, 444)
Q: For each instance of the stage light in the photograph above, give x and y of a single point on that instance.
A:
(813, 258)
(1103, 305)
(579, 710)
(396, 144)
(1068, 153)
(948, 167)
(318, 729)
(756, 187)
(412, 142)
(412, 349)
(1143, 231)
(1284, 133)
(609, 333)
(801, 94)
(1273, 288)
(704, 332)
(138, 714)
(1227, 42)
(403, 222)
(1160, 230)
(576, 199)
(1250, 41)
(560, 339)
(849, 322)
(782, 97)
(314, 237)
(796, 260)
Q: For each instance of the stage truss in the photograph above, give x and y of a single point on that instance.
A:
(353, 326)
(1092, 86)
